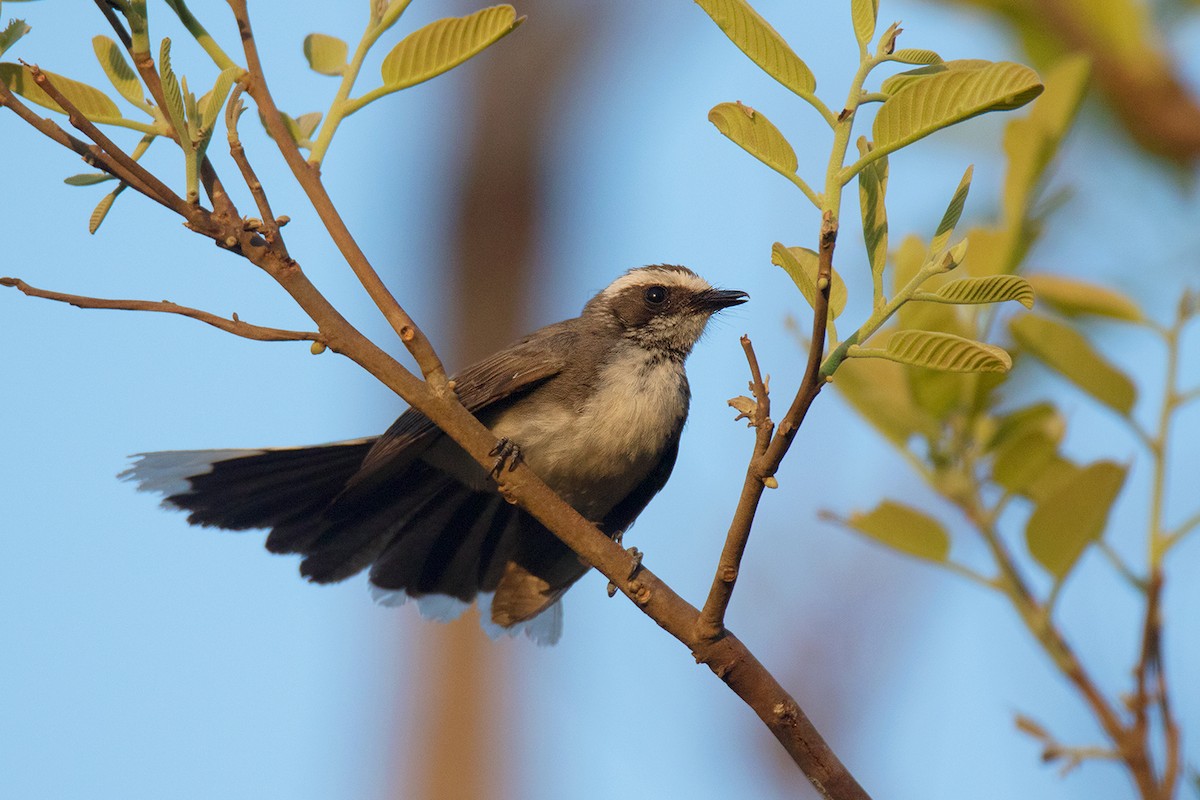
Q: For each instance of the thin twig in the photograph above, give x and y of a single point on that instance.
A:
(115, 22)
(92, 154)
(310, 180)
(223, 207)
(85, 126)
(768, 455)
(234, 326)
(1054, 644)
(233, 109)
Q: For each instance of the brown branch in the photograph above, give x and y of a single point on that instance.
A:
(725, 655)
(1130, 748)
(308, 176)
(769, 449)
(91, 154)
(234, 326)
(223, 207)
(82, 124)
(233, 109)
(115, 22)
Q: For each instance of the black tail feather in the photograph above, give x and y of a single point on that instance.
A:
(270, 488)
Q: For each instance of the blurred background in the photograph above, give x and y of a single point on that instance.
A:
(142, 658)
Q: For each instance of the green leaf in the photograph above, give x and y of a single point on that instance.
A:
(973, 291)
(306, 124)
(905, 529)
(173, 95)
(1064, 350)
(1042, 417)
(872, 192)
(865, 13)
(1075, 298)
(212, 103)
(325, 54)
(801, 265)
(294, 127)
(119, 73)
(12, 33)
(896, 82)
(102, 208)
(443, 45)
(943, 351)
(191, 111)
(88, 179)
(1031, 143)
(1065, 523)
(1022, 459)
(754, 133)
(913, 56)
(92, 103)
(755, 37)
(958, 201)
(943, 99)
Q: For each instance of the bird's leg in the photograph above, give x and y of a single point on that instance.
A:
(507, 452)
(634, 553)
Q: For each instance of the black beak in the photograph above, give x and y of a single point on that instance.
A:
(714, 300)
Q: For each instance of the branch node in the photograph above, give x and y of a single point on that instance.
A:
(771, 482)
(786, 713)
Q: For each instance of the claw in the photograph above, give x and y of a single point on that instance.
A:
(507, 452)
(636, 555)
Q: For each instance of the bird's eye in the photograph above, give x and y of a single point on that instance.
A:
(655, 295)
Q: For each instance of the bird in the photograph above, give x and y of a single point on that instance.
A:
(594, 405)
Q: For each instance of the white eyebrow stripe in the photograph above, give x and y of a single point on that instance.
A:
(652, 275)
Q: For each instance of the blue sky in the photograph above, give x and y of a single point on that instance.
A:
(143, 658)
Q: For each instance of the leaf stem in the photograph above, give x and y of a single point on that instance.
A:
(201, 35)
(342, 106)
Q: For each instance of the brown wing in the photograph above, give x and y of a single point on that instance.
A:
(489, 384)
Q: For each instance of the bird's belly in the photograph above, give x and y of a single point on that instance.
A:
(596, 453)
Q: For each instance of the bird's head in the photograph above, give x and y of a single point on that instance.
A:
(663, 308)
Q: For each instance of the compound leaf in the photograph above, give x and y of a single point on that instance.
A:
(1066, 522)
(942, 99)
(442, 45)
(755, 37)
(325, 54)
(93, 103)
(119, 73)
(754, 133)
(865, 14)
(801, 265)
(1064, 350)
(905, 529)
(992, 289)
(943, 351)
(1074, 298)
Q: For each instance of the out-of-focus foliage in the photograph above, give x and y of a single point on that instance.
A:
(1135, 72)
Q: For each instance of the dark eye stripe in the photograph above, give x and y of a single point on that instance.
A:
(655, 295)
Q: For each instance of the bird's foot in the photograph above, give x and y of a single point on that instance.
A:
(507, 452)
(637, 556)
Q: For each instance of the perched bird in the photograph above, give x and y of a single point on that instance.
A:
(595, 405)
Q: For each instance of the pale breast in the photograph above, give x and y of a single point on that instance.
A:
(595, 453)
